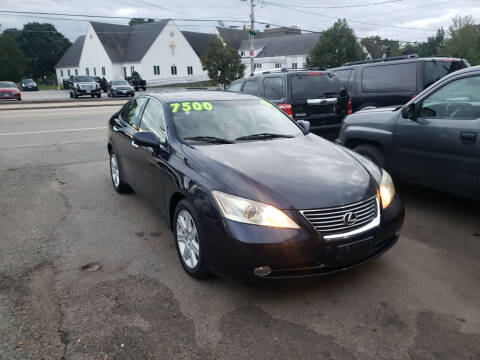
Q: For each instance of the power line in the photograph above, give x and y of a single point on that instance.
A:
(339, 7)
(350, 20)
(410, 8)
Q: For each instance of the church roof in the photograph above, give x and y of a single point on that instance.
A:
(71, 58)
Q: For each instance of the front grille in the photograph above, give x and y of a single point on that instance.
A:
(87, 87)
(330, 221)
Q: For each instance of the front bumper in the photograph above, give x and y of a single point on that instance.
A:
(123, 92)
(235, 249)
(10, 96)
(81, 92)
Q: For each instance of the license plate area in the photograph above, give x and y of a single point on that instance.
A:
(354, 251)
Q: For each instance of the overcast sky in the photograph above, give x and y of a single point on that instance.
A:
(407, 20)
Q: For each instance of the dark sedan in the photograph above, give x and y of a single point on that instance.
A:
(247, 191)
(120, 88)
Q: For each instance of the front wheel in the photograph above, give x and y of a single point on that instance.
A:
(189, 240)
(372, 152)
(116, 175)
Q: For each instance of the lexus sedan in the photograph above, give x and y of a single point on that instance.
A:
(248, 192)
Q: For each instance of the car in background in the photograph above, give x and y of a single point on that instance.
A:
(67, 83)
(311, 95)
(9, 91)
(393, 80)
(84, 85)
(433, 140)
(120, 88)
(28, 85)
(248, 192)
(137, 82)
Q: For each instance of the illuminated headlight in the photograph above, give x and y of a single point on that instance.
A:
(252, 212)
(386, 190)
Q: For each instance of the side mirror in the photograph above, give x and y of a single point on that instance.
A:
(304, 124)
(409, 112)
(146, 138)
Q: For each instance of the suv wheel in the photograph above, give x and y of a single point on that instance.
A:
(372, 152)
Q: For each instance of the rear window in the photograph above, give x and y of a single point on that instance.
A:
(273, 88)
(437, 69)
(390, 78)
(344, 75)
(312, 86)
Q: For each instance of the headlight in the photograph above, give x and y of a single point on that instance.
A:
(251, 212)
(386, 190)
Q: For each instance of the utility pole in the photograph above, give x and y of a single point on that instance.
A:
(252, 36)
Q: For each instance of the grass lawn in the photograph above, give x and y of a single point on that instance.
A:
(48, 87)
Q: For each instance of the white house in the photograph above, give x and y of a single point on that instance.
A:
(273, 48)
(158, 51)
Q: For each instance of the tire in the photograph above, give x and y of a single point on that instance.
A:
(75, 94)
(372, 152)
(118, 184)
(93, 95)
(71, 95)
(198, 269)
(99, 95)
(108, 94)
(144, 88)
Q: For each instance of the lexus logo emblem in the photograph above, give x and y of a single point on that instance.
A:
(350, 218)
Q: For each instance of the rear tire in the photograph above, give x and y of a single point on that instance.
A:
(372, 152)
(189, 240)
(118, 184)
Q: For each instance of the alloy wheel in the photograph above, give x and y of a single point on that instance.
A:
(187, 239)
(114, 170)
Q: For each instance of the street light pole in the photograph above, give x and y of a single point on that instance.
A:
(252, 35)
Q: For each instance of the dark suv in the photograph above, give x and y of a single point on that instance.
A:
(84, 85)
(315, 96)
(433, 140)
(393, 80)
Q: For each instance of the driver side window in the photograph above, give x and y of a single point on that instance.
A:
(153, 120)
(459, 99)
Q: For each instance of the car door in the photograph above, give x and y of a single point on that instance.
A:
(124, 127)
(441, 147)
(152, 164)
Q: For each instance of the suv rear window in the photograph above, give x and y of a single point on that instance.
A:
(390, 78)
(437, 69)
(314, 85)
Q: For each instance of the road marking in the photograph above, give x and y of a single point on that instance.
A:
(52, 131)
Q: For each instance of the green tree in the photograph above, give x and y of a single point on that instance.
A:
(137, 21)
(12, 61)
(222, 62)
(42, 45)
(464, 39)
(337, 45)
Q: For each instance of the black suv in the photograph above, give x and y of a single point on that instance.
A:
(84, 85)
(312, 95)
(393, 80)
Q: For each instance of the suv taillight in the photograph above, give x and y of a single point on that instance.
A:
(287, 108)
(349, 107)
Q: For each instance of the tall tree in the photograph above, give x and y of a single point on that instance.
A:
(42, 45)
(137, 21)
(12, 61)
(464, 39)
(337, 45)
(222, 62)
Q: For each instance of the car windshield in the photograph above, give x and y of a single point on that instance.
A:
(6, 84)
(314, 85)
(27, 81)
(230, 120)
(120, 82)
(83, 79)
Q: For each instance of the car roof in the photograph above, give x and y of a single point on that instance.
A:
(197, 95)
(400, 61)
(286, 72)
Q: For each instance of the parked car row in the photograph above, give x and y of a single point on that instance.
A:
(134, 81)
(89, 86)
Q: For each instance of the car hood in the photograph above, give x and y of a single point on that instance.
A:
(304, 172)
(12, 89)
(381, 109)
(378, 115)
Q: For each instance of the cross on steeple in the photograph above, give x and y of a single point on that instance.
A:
(173, 46)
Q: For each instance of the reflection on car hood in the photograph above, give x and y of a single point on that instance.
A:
(382, 109)
(305, 172)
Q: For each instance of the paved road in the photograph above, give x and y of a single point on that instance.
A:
(59, 213)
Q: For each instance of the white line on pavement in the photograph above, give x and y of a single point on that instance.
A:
(52, 131)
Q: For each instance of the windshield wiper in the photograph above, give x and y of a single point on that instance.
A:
(263, 136)
(210, 139)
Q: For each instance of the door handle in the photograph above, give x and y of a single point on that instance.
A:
(468, 138)
(134, 145)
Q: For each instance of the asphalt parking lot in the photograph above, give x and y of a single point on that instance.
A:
(86, 273)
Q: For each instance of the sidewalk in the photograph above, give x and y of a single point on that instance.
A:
(58, 104)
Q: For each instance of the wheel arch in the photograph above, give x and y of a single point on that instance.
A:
(174, 200)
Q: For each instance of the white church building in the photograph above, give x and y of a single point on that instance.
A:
(162, 54)
(158, 51)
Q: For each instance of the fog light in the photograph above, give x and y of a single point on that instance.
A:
(262, 271)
